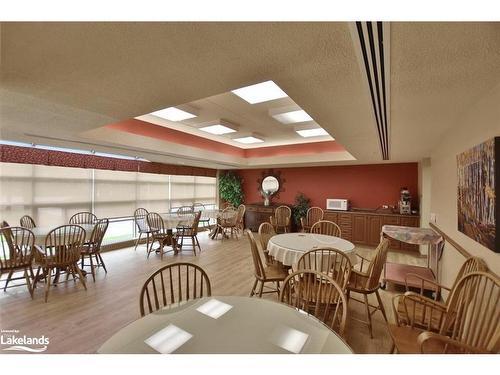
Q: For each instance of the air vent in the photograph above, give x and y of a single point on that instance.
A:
(374, 45)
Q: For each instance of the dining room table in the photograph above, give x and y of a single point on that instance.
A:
(226, 325)
(287, 248)
(40, 233)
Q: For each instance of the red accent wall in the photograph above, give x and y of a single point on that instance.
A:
(366, 186)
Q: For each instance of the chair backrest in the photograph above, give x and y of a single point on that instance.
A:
(98, 234)
(27, 222)
(196, 223)
(259, 269)
(377, 264)
(198, 207)
(63, 245)
(171, 284)
(140, 219)
(266, 231)
(326, 227)
(472, 264)
(185, 210)
(314, 214)
(155, 222)
(473, 313)
(282, 215)
(241, 213)
(332, 262)
(17, 247)
(318, 294)
(83, 218)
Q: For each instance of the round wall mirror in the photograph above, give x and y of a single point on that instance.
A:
(270, 185)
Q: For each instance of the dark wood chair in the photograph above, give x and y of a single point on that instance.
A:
(63, 246)
(189, 232)
(17, 254)
(264, 274)
(281, 219)
(27, 222)
(141, 223)
(367, 282)
(83, 218)
(318, 294)
(92, 249)
(160, 234)
(326, 227)
(173, 284)
(313, 215)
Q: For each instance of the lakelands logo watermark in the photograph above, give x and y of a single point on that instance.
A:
(14, 341)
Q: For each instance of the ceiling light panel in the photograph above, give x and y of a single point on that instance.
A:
(173, 114)
(293, 117)
(306, 133)
(248, 140)
(261, 92)
(218, 129)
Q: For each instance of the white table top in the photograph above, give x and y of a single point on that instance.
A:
(289, 247)
(250, 325)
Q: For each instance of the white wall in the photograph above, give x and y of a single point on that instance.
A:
(477, 124)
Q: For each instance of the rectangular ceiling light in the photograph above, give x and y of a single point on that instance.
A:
(173, 114)
(293, 117)
(218, 129)
(306, 133)
(261, 92)
(248, 140)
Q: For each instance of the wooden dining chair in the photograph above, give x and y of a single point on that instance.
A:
(83, 218)
(264, 274)
(92, 249)
(16, 254)
(318, 294)
(173, 284)
(416, 310)
(228, 221)
(367, 282)
(27, 222)
(266, 231)
(326, 227)
(63, 246)
(240, 219)
(141, 223)
(281, 219)
(204, 221)
(332, 262)
(470, 322)
(313, 215)
(190, 232)
(185, 211)
(163, 236)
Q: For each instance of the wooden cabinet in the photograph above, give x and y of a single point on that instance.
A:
(256, 214)
(364, 228)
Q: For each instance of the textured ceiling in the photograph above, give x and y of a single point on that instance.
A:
(64, 81)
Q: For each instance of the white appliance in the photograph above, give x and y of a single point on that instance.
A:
(337, 204)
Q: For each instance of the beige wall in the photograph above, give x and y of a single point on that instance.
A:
(424, 195)
(475, 125)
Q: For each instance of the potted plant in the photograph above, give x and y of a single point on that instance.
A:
(230, 188)
(302, 204)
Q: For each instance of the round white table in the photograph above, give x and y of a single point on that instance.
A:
(226, 325)
(40, 233)
(287, 248)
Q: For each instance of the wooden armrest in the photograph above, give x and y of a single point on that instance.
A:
(444, 345)
(423, 281)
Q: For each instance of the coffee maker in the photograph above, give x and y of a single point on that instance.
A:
(405, 202)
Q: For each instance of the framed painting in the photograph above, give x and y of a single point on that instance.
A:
(478, 189)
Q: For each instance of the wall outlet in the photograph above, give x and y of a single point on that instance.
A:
(433, 218)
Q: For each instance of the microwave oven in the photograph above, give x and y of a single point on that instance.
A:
(337, 204)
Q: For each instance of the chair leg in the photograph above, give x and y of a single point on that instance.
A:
(261, 288)
(369, 316)
(92, 269)
(82, 279)
(151, 247)
(36, 277)
(28, 282)
(253, 288)
(48, 276)
(9, 276)
(193, 242)
(381, 305)
(137, 241)
(197, 242)
(102, 262)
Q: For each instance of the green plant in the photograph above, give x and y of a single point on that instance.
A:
(302, 204)
(230, 188)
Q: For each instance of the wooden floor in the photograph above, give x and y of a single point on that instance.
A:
(79, 321)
